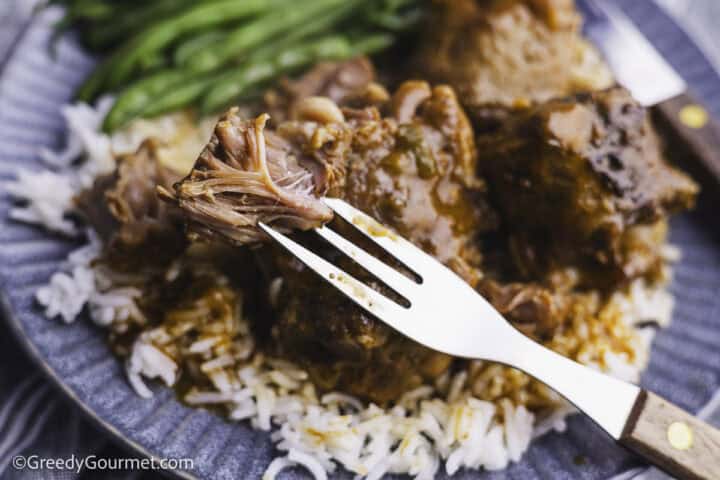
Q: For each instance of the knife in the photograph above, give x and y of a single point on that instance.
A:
(640, 68)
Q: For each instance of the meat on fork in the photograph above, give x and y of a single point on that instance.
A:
(248, 174)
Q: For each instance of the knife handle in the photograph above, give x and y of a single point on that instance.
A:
(697, 131)
(672, 439)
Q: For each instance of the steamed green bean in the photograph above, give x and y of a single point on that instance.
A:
(136, 97)
(120, 66)
(258, 31)
(234, 84)
(207, 53)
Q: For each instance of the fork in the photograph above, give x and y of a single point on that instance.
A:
(446, 314)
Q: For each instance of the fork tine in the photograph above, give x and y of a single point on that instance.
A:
(364, 296)
(411, 256)
(389, 276)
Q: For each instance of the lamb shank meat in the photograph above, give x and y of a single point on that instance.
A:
(582, 182)
(123, 208)
(506, 55)
(410, 164)
(581, 186)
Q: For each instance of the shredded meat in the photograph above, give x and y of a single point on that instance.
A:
(247, 175)
(123, 208)
(250, 172)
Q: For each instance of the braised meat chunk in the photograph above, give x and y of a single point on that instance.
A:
(502, 55)
(410, 164)
(123, 208)
(581, 181)
(274, 169)
(342, 346)
(415, 171)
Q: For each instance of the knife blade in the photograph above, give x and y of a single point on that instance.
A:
(637, 65)
(640, 68)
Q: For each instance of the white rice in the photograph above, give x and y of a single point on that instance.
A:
(429, 425)
(146, 360)
(46, 195)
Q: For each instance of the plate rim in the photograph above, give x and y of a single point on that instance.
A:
(34, 354)
(31, 350)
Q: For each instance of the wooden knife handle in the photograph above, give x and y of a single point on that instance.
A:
(672, 439)
(695, 128)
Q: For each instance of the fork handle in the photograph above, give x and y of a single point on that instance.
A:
(672, 439)
(660, 432)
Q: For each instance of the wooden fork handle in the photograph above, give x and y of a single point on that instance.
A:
(660, 432)
(673, 439)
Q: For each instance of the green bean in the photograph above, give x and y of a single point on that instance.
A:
(197, 18)
(136, 97)
(192, 89)
(153, 62)
(232, 86)
(179, 97)
(268, 38)
(398, 4)
(394, 15)
(133, 21)
(256, 72)
(89, 90)
(235, 83)
(150, 97)
(186, 50)
(122, 64)
(369, 44)
(275, 22)
(92, 10)
(312, 27)
(396, 21)
(252, 74)
(79, 12)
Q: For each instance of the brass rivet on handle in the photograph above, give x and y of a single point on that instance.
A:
(680, 435)
(694, 116)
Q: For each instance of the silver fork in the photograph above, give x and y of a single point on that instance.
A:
(446, 314)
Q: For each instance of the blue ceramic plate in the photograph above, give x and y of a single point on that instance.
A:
(685, 365)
